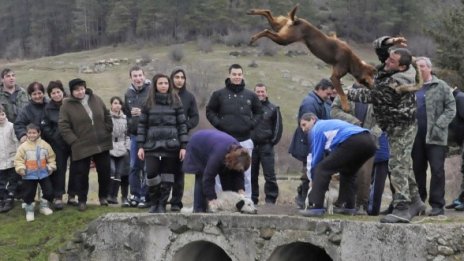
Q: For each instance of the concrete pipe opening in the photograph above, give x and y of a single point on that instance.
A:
(299, 251)
(201, 251)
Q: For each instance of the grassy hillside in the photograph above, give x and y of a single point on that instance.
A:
(289, 78)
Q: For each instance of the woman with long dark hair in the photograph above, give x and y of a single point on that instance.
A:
(162, 139)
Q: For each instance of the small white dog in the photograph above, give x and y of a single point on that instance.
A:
(232, 201)
(229, 201)
(331, 194)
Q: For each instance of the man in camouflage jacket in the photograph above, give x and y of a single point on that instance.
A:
(394, 102)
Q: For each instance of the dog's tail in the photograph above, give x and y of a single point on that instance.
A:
(186, 210)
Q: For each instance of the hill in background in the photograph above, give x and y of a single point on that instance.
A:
(290, 73)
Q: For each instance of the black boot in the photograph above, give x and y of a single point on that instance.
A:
(154, 192)
(9, 205)
(400, 214)
(163, 200)
(113, 193)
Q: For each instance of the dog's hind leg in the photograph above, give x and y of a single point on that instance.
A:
(275, 37)
(307, 198)
(329, 202)
(264, 12)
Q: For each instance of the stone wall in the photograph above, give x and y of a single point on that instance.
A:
(238, 237)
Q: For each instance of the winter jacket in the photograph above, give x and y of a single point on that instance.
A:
(313, 103)
(190, 108)
(49, 126)
(13, 103)
(85, 135)
(456, 128)
(234, 110)
(121, 140)
(162, 129)
(269, 129)
(32, 113)
(134, 98)
(35, 159)
(8, 145)
(393, 95)
(299, 146)
(205, 155)
(440, 107)
(188, 101)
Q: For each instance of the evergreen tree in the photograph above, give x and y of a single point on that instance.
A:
(119, 21)
(448, 35)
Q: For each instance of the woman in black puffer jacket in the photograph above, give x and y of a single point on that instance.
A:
(162, 138)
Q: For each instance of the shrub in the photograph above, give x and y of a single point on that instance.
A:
(237, 39)
(267, 47)
(204, 45)
(14, 50)
(200, 79)
(176, 54)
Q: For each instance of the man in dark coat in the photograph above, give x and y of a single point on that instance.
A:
(179, 80)
(265, 136)
(236, 111)
(316, 102)
(456, 133)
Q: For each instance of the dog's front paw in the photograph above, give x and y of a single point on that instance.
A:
(399, 41)
(252, 11)
(213, 206)
(252, 41)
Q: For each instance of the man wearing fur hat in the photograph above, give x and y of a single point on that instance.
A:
(394, 103)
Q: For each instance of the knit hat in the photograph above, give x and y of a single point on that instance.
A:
(76, 82)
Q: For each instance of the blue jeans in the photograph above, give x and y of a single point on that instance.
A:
(137, 174)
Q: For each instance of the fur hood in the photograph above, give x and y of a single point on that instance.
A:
(404, 78)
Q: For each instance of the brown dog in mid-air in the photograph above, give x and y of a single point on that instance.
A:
(289, 29)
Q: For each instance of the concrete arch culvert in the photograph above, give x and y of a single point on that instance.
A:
(201, 251)
(299, 251)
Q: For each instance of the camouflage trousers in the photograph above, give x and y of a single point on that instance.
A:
(403, 181)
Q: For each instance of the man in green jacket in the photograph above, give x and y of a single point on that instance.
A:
(12, 97)
(436, 108)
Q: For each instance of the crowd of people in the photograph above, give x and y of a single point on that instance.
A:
(143, 145)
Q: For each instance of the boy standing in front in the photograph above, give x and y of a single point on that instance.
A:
(35, 161)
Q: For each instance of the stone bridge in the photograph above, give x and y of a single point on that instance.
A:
(236, 237)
